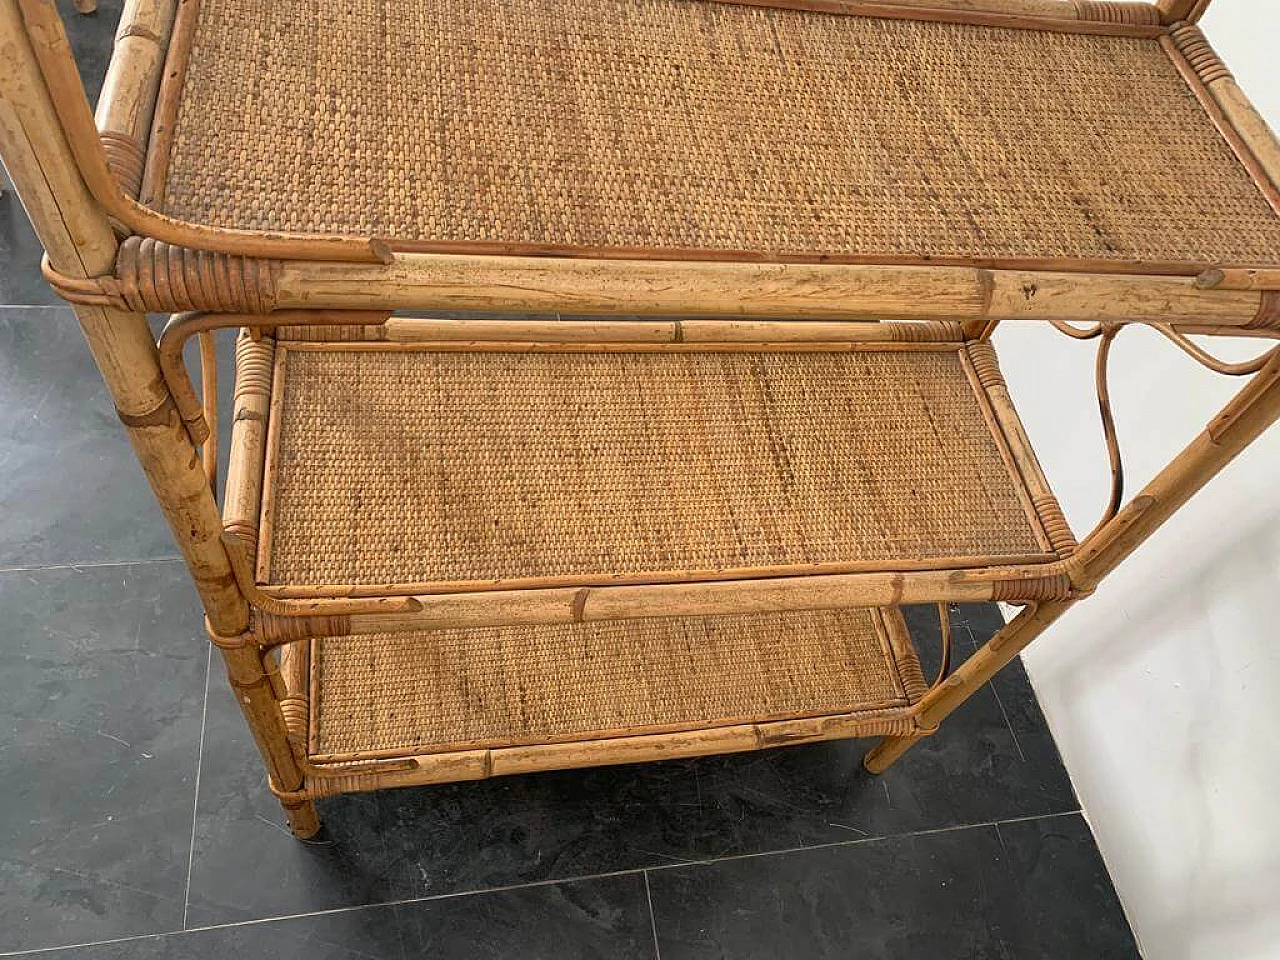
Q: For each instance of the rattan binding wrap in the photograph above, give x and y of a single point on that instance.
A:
(465, 689)
(450, 467)
(598, 125)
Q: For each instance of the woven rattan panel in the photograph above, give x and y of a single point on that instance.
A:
(674, 123)
(395, 465)
(509, 685)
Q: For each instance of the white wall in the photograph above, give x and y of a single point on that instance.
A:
(1162, 688)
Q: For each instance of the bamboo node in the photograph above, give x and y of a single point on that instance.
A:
(985, 365)
(295, 711)
(137, 30)
(126, 158)
(160, 416)
(1194, 46)
(254, 361)
(1109, 12)
(930, 331)
(271, 629)
(157, 277)
(1032, 589)
(1055, 524)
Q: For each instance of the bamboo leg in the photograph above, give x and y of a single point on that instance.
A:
(80, 243)
(943, 699)
(302, 816)
(1239, 423)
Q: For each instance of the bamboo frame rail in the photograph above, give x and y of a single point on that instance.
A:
(709, 289)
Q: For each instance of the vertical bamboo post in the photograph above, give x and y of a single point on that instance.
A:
(1238, 424)
(80, 244)
(1171, 11)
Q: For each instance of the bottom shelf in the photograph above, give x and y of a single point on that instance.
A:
(774, 677)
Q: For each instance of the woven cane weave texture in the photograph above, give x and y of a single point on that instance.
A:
(410, 466)
(682, 124)
(517, 685)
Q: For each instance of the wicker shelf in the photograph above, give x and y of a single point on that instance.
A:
(733, 131)
(421, 468)
(758, 680)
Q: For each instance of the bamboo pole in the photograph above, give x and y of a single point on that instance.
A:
(80, 244)
(1239, 423)
(133, 76)
(283, 621)
(1171, 11)
(1067, 16)
(510, 284)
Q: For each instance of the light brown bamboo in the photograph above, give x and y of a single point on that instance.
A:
(710, 289)
(42, 31)
(1248, 414)
(80, 243)
(1240, 422)
(1171, 11)
(243, 498)
(479, 764)
(133, 76)
(1239, 124)
(570, 604)
(756, 332)
(1066, 16)
(209, 404)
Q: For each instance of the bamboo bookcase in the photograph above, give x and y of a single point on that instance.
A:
(772, 238)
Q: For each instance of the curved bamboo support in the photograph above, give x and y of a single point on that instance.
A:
(1114, 458)
(1172, 11)
(1255, 408)
(182, 327)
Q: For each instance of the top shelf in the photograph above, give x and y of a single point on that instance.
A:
(684, 129)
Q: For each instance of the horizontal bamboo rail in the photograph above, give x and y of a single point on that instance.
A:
(1068, 16)
(284, 621)
(711, 289)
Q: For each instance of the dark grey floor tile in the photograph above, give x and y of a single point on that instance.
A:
(20, 280)
(941, 896)
(71, 490)
(420, 842)
(584, 920)
(1070, 906)
(102, 677)
(20, 252)
(1021, 890)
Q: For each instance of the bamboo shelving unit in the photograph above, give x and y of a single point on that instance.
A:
(682, 521)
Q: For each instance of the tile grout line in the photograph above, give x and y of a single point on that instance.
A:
(195, 802)
(39, 568)
(581, 878)
(653, 919)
